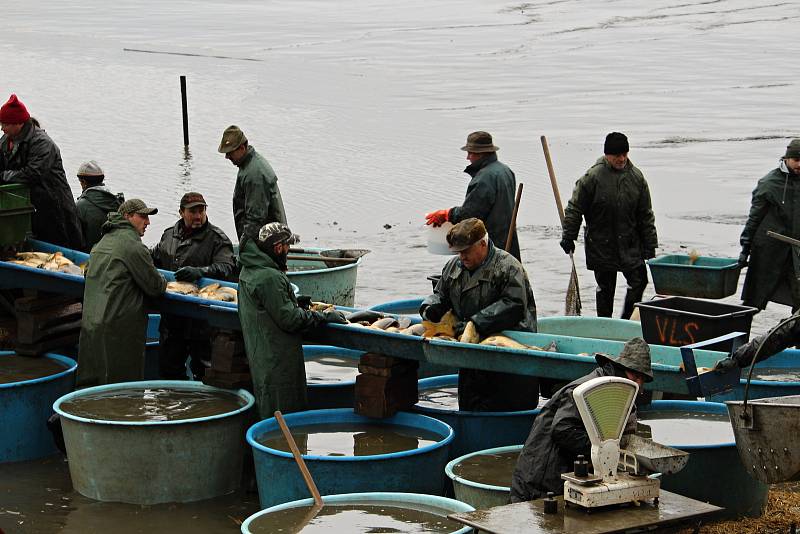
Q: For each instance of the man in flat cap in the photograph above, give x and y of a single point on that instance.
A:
(490, 193)
(95, 203)
(273, 322)
(774, 266)
(558, 434)
(488, 287)
(256, 197)
(28, 156)
(193, 248)
(119, 280)
(620, 233)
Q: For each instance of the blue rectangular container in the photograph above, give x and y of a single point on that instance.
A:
(706, 278)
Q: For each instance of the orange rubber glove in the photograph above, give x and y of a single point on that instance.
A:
(437, 218)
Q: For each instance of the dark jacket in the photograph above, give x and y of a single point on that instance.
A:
(35, 160)
(256, 197)
(496, 296)
(272, 324)
(775, 206)
(620, 225)
(557, 437)
(783, 336)
(93, 207)
(207, 247)
(119, 278)
(490, 198)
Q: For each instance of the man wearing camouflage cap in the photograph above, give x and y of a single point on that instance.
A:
(774, 266)
(256, 197)
(95, 202)
(120, 278)
(273, 322)
(487, 286)
(558, 435)
(193, 248)
(490, 193)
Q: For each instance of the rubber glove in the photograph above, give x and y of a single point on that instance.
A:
(334, 316)
(742, 261)
(725, 365)
(437, 218)
(189, 274)
(568, 245)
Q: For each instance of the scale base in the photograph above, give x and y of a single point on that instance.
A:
(625, 489)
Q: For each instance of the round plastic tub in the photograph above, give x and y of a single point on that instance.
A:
(151, 462)
(714, 473)
(477, 494)
(25, 407)
(334, 285)
(331, 394)
(419, 470)
(430, 503)
(475, 431)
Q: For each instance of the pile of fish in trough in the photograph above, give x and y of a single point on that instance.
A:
(55, 262)
(444, 329)
(212, 291)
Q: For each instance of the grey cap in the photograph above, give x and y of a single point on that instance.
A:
(793, 150)
(135, 205)
(90, 168)
(635, 356)
(232, 138)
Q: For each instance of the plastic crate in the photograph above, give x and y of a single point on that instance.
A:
(706, 278)
(679, 321)
(15, 213)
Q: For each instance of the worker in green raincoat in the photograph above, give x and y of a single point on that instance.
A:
(95, 203)
(273, 322)
(119, 278)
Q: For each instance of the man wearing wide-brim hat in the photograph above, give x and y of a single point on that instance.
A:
(487, 288)
(558, 434)
(490, 193)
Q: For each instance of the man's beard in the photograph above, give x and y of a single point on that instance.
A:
(280, 260)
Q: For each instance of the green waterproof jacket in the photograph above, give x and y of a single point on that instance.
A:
(272, 324)
(490, 198)
(620, 225)
(93, 206)
(207, 247)
(256, 197)
(119, 277)
(775, 206)
(496, 296)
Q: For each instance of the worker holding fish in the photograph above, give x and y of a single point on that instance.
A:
(774, 266)
(488, 291)
(614, 199)
(95, 202)
(28, 156)
(193, 248)
(558, 434)
(273, 322)
(490, 193)
(256, 197)
(119, 280)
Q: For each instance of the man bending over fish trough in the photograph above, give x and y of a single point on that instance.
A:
(488, 291)
(558, 434)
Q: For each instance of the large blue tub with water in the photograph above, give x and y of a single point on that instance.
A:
(714, 473)
(330, 388)
(25, 407)
(418, 470)
(483, 495)
(475, 431)
(777, 376)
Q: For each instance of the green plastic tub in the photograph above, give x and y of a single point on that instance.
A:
(15, 213)
(706, 278)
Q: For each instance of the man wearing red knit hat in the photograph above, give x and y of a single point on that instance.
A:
(30, 157)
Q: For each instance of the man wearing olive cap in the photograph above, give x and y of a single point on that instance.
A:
(774, 266)
(256, 197)
(95, 203)
(487, 286)
(558, 434)
(120, 278)
(193, 248)
(490, 193)
(273, 322)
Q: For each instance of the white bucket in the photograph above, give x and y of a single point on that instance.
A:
(437, 239)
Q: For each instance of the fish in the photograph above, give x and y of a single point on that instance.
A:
(470, 334)
(40, 256)
(364, 315)
(384, 323)
(414, 330)
(321, 306)
(693, 256)
(498, 340)
(403, 322)
(184, 288)
(215, 291)
(445, 327)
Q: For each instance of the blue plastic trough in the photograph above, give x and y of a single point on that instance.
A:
(590, 327)
(477, 494)
(785, 362)
(331, 394)
(25, 407)
(475, 431)
(400, 307)
(429, 503)
(334, 285)
(714, 473)
(419, 470)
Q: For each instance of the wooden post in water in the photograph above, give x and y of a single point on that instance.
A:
(185, 112)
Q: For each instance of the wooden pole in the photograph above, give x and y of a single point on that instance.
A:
(298, 458)
(510, 238)
(553, 182)
(185, 112)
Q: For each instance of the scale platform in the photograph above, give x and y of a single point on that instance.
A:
(592, 492)
(529, 517)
